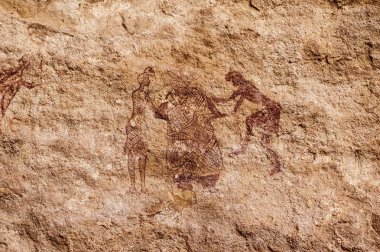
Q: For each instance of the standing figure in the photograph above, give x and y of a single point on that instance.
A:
(265, 120)
(193, 152)
(10, 83)
(135, 147)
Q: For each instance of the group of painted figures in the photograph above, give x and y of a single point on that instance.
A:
(193, 153)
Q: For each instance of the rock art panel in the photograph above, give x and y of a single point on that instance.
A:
(193, 154)
(142, 139)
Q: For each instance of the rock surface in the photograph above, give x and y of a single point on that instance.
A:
(65, 182)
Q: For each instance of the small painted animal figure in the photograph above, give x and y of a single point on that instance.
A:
(11, 81)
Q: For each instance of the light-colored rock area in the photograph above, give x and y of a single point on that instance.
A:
(64, 183)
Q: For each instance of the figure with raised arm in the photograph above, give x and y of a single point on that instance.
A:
(135, 146)
(266, 120)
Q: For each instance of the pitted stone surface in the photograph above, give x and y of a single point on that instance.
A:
(254, 125)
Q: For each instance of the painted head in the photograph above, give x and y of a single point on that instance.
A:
(144, 77)
(149, 71)
(236, 78)
(24, 62)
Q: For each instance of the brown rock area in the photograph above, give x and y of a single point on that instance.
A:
(183, 125)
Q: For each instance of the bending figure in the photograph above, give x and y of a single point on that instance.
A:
(265, 120)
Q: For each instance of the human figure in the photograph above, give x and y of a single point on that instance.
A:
(265, 120)
(135, 147)
(193, 152)
(10, 83)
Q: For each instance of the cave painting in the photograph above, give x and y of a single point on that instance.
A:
(11, 80)
(135, 146)
(193, 152)
(266, 120)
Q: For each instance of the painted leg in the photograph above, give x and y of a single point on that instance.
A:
(277, 164)
(244, 144)
(142, 168)
(1, 125)
(272, 155)
(131, 169)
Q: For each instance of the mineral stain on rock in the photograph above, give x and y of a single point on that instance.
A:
(10, 146)
(376, 223)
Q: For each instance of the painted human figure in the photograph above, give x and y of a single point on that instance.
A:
(193, 151)
(135, 146)
(265, 120)
(10, 83)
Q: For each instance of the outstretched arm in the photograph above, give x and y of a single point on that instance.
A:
(151, 104)
(214, 110)
(232, 97)
(239, 103)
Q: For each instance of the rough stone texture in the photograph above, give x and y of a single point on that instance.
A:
(64, 183)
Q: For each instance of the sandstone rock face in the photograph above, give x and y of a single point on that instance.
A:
(254, 125)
